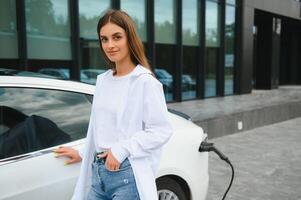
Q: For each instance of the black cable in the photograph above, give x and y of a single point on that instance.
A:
(232, 177)
(207, 147)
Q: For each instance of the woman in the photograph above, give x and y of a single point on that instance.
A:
(128, 124)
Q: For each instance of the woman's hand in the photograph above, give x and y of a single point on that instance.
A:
(112, 163)
(69, 152)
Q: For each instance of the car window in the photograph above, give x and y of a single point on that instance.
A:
(33, 119)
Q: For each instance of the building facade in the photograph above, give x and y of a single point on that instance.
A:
(197, 48)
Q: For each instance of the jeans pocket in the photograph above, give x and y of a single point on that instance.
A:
(125, 165)
(121, 182)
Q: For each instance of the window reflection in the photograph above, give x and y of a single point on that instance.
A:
(229, 49)
(137, 10)
(89, 14)
(232, 2)
(212, 24)
(189, 72)
(8, 29)
(165, 25)
(190, 34)
(93, 62)
(164, 68)
(25, 134)
(165, 78)
(86, 75)
(165, 38)
(33, 119)
(212, 46)
(190, 17)
(48, 29)
(59, 73)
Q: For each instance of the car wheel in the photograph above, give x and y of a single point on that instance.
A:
(170, 189)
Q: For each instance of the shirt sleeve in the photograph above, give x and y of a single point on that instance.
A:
(81, 152)
(157, 129)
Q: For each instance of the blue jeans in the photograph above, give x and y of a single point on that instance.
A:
(112, 185)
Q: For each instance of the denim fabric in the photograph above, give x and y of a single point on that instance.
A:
(112, 185)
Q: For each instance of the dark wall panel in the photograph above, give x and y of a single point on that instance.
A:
(245, 71)
(290, 60)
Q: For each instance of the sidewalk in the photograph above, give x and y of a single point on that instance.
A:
(267, 163)
(222, 116)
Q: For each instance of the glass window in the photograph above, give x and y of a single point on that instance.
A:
(34, 119)
(59, 73)
(212, 24)
(137, 10)
(8, 29)
(231, 2)
(229, 49)
(89, 14)
(190, 34)
(190, 55)
(165, 68)
(165, 21)
(190, 18)
(93, 62)
(165, 38)
(212, 46)
(48, 29)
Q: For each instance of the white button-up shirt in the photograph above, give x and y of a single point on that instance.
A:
(142, 126)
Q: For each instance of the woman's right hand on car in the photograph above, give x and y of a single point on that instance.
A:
(69, 152)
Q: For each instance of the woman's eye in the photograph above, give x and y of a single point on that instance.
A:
(103, 40)
(117, 38)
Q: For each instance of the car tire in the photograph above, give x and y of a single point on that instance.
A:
(170, 189)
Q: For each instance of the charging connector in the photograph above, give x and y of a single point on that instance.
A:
(207, 147)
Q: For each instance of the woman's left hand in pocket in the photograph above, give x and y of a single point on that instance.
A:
(112, 163)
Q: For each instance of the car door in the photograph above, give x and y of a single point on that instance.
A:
(33, 121)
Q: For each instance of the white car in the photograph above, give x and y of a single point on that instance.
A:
(39, 114)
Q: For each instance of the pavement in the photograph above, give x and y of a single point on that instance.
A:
(261, 135)
(267, 163)
(231, 114)
(210, 108)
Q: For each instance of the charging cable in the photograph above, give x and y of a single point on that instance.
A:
(207, 147)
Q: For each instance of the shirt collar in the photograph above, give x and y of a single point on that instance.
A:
(139, 70)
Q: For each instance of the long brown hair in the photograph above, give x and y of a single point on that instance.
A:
(122, 19)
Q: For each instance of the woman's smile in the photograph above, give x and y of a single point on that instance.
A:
(112, 53)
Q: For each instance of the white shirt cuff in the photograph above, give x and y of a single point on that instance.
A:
(81, 152)
(119, 153)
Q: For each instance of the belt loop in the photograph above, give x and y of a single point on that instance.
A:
(96, 158)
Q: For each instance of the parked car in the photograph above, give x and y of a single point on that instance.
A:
(61, 73)
(39, 114)
(165, 78)
(188, 83)
(92, 74)
(64, 74)
(14, 72)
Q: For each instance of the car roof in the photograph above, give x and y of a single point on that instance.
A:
(35, 82)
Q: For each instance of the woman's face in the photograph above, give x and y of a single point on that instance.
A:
(114, 42)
